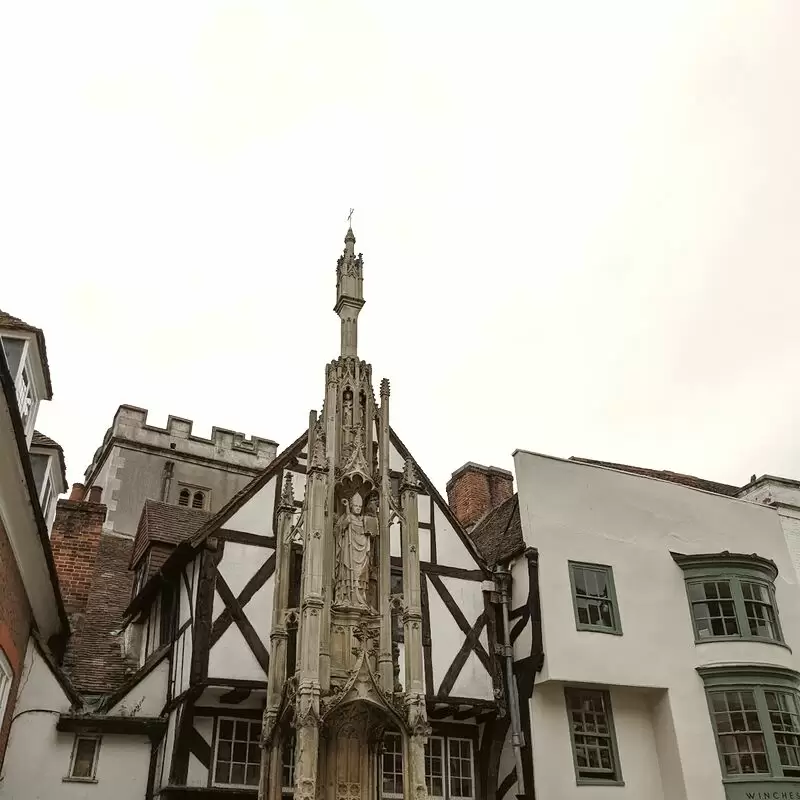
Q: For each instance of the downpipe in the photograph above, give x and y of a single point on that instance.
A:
(503, 584)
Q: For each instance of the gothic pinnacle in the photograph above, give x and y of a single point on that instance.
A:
(287, 495)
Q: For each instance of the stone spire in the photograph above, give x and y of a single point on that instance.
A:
(349, 293)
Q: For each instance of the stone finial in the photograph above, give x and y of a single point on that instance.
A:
(410, 480)
(384, 388)
(319, 460)
(287, 495)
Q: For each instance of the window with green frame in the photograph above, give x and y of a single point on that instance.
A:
(731, 596)
(594, 744)
(594, 598)
(755, 713)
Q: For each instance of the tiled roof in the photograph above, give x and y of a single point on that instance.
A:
(666, 475)
(15, 323)
(40, 440)
(94, 660)
(498, 536)
(9, 321)
(166, 524)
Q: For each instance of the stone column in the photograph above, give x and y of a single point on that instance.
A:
(278, 635)
(412, 638)
(310, 633)
(385, 666)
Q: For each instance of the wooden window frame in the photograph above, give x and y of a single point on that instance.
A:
(220, 784)
(616, 628)
(615, 778)
(733, 570)
(445, 738)
(758, 679)
(70, 778)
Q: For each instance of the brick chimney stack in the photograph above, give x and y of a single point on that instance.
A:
(473, 490)
(75, 539)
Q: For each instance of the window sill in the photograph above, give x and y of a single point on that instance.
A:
(70, 779)
(759, 639)
(597, 782)
(592, 629)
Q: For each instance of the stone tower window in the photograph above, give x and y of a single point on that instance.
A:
(198, 500)
(183, 497)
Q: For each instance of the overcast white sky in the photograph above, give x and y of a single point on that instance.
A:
(579, 220)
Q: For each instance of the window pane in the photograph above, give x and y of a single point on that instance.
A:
(392, 765)
(13, 349)
(738, 729)
(238, 752)
(592, 743)
(83, 766)
(785, 718)
(460, 765)
(713, 612)
(592, 589)
(39, 464)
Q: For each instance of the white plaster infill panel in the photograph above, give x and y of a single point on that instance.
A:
(468, 596)
(255, 516)
(473, 680)
(148, 696)
(446, 639)
(450, 550)
(231, 657)
(259, 611)
(240, 562)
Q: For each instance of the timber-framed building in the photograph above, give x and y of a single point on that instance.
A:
(318, 624)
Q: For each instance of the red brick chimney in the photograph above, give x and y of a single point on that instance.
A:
(74, 540)
(473, 490)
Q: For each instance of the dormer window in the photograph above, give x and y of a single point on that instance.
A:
(18, 356)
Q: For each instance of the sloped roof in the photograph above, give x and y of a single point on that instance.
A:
(40, 440)
(166, 524)
(666, 475)
(498, 535)
(94, 660)
(15, 323)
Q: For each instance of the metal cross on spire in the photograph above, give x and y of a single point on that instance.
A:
(350, 218)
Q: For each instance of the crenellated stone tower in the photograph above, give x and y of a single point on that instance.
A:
(337, 693)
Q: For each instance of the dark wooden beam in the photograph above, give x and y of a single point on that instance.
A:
(470, 646)
(242, 537)
(247, 630)
(201, 644)
(461, 621)
(226, 618)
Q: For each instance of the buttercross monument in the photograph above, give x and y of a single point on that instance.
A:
(342, 698)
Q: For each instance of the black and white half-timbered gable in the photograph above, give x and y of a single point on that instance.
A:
(331, 632)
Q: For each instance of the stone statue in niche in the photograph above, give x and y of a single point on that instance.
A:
(353, 533)
(347, 410)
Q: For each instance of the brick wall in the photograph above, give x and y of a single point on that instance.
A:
(75, 539)
(15, 625)
(473, 490)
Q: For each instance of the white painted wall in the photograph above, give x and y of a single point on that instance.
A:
(149, 696)
(552, 749)
(38, 756)
(584, 513)
(450, 549)
(255, 516)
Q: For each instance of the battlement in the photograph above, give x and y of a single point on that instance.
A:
(130, 423)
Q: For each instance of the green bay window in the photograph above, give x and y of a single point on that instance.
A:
(755, 714)
(731, 596)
